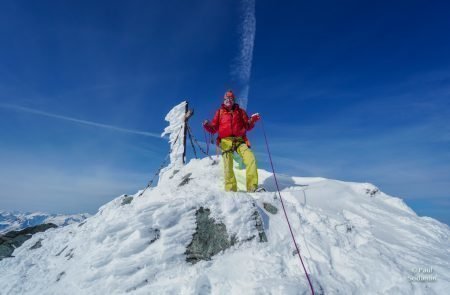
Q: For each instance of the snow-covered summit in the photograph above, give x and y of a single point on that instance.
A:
(188, 236)
(354, 239)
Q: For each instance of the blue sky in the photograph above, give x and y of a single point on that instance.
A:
(347, 90)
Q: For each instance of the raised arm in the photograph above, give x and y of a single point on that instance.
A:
(250, 122)
(213, 126)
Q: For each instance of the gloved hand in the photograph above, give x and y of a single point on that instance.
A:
(255, 117)
(207, 126)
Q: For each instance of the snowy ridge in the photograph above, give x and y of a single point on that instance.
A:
(18, 220)
(354, 240)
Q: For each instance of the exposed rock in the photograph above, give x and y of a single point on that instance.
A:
(6, 251)
(37, 245)
(259, 226)
(60, 275)
(209, 238)
(156, 234)
(140, 285)
(127, 200)
(349, 227)
(185, 179)
(14, 239)
(372, 192)
(60, 252)
(174, 172)
(69, 255)
(270, 208)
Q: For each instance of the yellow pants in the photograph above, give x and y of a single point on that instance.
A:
(251, 172)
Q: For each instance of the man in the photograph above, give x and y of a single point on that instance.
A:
(232, 124)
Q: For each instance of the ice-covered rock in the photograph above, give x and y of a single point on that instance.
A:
(176, 131)
(209, 238)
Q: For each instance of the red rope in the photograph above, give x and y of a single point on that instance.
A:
(285, 214)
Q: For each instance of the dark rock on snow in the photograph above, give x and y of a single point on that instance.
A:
(14, 239)
(259, 226)
(270, 208)
(36, 245)
(210, 237)
(126, 200)
(185, 179)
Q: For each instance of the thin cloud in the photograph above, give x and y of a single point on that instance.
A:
(28, 185)
(243, 66)
(85, 122)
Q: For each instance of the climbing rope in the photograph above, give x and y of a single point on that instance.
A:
(192, 144)
(207, 140)
(192, 139)
(161, 166)
(195, 141)
(284, 209)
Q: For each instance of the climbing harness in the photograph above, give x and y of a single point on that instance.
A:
(236, 143)
(284, 210)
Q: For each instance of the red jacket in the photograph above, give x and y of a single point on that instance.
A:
(234, 122)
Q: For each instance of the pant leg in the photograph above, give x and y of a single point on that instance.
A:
(251, 170)
(230, 179)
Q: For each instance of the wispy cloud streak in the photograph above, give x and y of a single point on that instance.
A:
(243, 66)
(85, 122)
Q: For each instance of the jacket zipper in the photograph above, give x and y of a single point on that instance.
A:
(232, 130)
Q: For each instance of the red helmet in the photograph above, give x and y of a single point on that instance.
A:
(229, 94)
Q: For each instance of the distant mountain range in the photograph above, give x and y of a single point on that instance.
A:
(19, 220)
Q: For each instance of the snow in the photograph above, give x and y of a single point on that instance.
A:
(353, 238)
(176, 119)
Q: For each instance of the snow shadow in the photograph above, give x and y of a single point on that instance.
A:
(284, 181)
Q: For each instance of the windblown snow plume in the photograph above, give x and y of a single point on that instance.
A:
(243, 66)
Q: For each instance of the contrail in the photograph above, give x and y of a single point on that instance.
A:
(243, 66)
(85, 122)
